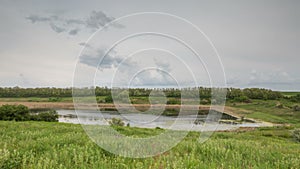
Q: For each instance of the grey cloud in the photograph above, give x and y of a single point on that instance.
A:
(74, 21)
(55, 17)
(110, 60)
(89, 60)
(163, 65)
(73, 32)
(96, 20)
(276, 77)
(57, 29)
(36, 18)
(153, 78)
(86, 45)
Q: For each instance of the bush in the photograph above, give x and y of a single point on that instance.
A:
(296, 108)
(296, 134)
(108, 99)
(50, 116)
(21, 113)
(173, 101)
(244, 99)
(54, 99)
(14, 112)
(116, 122)
(295, 98)
(279, 105)
(100, 100)
(205, 101)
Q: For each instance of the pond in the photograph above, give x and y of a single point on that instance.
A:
(186, 122)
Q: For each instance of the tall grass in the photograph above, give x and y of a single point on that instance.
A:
(56, 145)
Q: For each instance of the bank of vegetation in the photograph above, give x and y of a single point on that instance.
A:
(22, 113)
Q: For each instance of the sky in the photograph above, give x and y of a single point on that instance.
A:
(57, 43)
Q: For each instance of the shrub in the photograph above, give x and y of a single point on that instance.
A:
(296, 134)
(173, 101)
(279, 105)
(14, 112)
(108, 99)
(205, 101)
(54, 99)
(296, 108)
(116, 122)
(100, 100)
(50, 116)
(244, 99)
(295, 98)
(21, 113)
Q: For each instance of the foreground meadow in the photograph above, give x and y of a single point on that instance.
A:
(58, 145)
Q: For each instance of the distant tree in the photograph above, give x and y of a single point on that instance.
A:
(204, 93)
(295, 98)
(244, 99)
(108, 99)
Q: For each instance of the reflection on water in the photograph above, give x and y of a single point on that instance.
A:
(186, 122)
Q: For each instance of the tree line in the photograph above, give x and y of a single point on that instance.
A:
(204, 93)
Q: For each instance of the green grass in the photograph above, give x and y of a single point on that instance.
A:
(269, 111)
(51, 99)
(35, 99)
(289, 94)
(57, 145)
(267, 117)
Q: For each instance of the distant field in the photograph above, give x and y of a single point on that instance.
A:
(46, 99)
(36, 99)
(289, 94)
(269, 111)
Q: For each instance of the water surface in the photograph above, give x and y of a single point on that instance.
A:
(185, 122)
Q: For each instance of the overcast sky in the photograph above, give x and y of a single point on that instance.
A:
(257, 41)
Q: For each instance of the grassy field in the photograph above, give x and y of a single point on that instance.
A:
(35, 99)
(275, 111)
(100, 99)
(58, 145)
(289, 94)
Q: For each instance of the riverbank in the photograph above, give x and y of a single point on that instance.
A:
(266, 112)
(111, 107)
